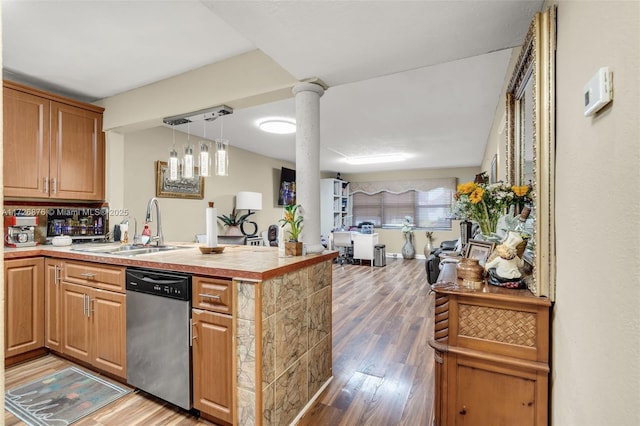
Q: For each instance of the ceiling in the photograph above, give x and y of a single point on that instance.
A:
(421, 78)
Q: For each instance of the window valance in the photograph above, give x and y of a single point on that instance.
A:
(401, 186)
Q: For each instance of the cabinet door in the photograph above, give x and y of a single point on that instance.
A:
(76, 330)
(212, 366)
(24, 305)
(77, 153)
(107, 312)
(52, 311)
(26, 144)
(500, 397)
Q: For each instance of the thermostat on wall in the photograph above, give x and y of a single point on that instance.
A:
(598, 92)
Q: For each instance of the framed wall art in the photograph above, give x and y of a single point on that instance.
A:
(180, 188)
(481, 250)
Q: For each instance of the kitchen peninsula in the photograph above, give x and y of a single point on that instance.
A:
(275, 313)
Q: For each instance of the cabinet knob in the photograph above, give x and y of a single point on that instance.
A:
(464, 410)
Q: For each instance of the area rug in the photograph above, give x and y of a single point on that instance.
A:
(61, 398)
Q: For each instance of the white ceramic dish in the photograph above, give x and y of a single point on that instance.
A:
(62, 240)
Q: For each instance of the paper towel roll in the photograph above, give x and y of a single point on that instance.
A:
(212, 227)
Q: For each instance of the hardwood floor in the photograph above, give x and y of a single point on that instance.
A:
(382, 364)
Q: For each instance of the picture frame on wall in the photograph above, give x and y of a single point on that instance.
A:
(180, 188)
(478, 249)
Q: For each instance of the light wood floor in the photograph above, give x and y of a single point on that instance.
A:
(382, 364)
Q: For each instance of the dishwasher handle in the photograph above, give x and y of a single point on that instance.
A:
(152, 280)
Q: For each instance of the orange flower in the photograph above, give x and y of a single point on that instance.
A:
(520, 191)
(476, 195)
(466, 188)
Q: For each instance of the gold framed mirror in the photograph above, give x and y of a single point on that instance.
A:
(531, 143)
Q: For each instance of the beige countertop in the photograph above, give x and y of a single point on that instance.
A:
(236, 261)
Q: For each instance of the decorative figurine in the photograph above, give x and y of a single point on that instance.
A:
(504, 264)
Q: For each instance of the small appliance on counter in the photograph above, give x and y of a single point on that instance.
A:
(19, 231)
(79, 223)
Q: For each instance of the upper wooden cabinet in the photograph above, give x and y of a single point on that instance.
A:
(53, 147)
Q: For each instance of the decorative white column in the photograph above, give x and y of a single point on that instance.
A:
(308, 161)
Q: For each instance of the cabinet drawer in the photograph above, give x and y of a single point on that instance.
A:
(95, 275)
(213, 294)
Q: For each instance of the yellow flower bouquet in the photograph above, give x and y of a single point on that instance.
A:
(485, 203)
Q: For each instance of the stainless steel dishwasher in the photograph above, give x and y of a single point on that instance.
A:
(158, 334)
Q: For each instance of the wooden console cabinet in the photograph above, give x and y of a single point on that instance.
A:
(491, 357)
(54, 147)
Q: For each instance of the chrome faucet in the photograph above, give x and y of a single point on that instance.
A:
(126, 221)
(159, 238)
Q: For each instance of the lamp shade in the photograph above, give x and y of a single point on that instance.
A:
(246, 200)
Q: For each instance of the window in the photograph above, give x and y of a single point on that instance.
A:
(385, 204)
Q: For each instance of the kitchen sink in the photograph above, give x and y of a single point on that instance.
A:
(126, 250)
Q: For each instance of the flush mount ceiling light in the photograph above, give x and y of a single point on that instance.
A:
(280, 126)
(376, 159)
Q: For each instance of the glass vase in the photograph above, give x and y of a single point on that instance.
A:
(408, 250)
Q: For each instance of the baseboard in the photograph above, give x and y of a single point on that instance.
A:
(311, 402)
(399, 256)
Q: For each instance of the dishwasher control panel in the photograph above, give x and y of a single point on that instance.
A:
(160, 283)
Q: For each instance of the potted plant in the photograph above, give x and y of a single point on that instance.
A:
(292, 218)
(233, 222)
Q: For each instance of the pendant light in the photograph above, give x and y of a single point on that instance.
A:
(173, 160)
(187, 159)
(222, 155)
(190, 166)
(204, 160)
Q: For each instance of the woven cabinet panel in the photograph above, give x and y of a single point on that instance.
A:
(499, 325)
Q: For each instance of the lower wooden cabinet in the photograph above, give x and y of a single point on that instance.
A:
(53, 303)
(94, 327)
(24, 305)
(212, 364)
(212, 347)
(488, 393)
(85, 319)
(492, 357)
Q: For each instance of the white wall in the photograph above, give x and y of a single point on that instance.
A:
(183, 218)
(595, 348)
(596, 323)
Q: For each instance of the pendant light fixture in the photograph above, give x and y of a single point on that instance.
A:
(172, 164)
(185, 168)
(187, 159)
(204, 160)
(222, 155)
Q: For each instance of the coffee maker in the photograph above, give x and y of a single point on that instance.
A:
(19, 231)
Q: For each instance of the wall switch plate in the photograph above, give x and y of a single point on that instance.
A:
(598, 92)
